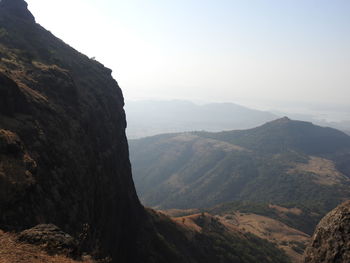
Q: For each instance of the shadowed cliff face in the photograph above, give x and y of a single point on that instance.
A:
(331, 241)
(17, 8)
(64, 154)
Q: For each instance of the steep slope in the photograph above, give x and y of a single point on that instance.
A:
(55, 100)
(64, 158)
(331, 240)
(283, 162)
(147, 118)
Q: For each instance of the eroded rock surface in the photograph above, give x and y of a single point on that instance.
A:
(331, 240)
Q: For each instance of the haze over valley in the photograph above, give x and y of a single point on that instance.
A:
(186, 132)
(151, 117)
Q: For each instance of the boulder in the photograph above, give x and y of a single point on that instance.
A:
(331, 240)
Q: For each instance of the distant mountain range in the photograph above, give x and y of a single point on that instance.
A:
(283, 162)
(147, 118)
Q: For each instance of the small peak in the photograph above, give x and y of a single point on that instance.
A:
(282, 120)
(17, 8)
(285, 119)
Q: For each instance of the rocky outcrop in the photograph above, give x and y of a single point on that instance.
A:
(17, 8)
(331, 240)
(51, 238)
(14, 251)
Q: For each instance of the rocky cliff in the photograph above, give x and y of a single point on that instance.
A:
(331, 240)
(64, 154)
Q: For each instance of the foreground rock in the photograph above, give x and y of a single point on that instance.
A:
(51, 238)
(331, 241)
(14, 251)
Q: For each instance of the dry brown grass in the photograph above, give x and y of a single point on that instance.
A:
(284, 210)
(179, 212)
(323, 170)
(202, 144)
(12, 251)
(189, 222)
(270, 229)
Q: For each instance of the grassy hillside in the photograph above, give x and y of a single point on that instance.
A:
(269, 222)
(293, 215)
(282, 162)
(207, 239)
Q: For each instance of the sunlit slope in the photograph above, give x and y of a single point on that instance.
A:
(214, 240)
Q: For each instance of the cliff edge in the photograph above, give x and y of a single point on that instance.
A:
(63, 149)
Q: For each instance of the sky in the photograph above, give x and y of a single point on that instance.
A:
(267, 53)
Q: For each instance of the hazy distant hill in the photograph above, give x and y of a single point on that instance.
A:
(147, 118)
(284, 135)
(327, 117)
(281, 162)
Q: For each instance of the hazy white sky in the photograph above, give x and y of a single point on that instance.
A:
(251, 51)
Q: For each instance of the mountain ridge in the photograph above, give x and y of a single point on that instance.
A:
(202, 169)
(285, 132)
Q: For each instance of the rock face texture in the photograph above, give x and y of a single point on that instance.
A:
(63, 150)
(17, 8)
(331, 241)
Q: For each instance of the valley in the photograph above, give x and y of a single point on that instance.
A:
(275, 181)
